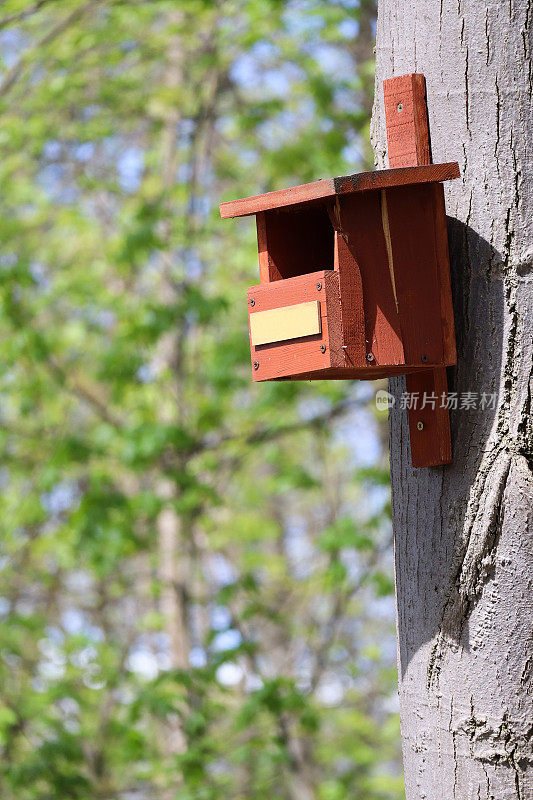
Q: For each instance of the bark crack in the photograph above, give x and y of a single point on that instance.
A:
(482, 520)
(498, 110)
(495, 743)
(477, 561)
(487, 38)
(526, 45)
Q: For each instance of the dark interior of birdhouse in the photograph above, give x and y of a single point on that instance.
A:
(300, 241)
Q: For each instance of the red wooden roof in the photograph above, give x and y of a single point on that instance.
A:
(330, 187)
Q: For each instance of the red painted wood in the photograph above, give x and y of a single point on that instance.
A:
(267, 270)
(317, 190)
(368, 373)
(352, 313)
(443, 269)
(360, 220)
(431, 446)
(331, 187)
(407, 121)
(408, 145)
(288, 358)
(411, 212)
(377, 244)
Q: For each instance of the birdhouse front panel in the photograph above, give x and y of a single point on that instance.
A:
(295, 326)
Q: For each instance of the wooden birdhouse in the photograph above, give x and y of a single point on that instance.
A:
(354, 278)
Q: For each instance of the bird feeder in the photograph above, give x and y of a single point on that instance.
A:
(354, 277)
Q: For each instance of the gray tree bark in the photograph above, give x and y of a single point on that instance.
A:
(463, 533)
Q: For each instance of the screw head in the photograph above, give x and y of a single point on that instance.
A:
(256, 364)
(420, 425)
(369, 356)
(319, 286)
(252, 302)
(399, 108)
(424, 358)
(322, 348)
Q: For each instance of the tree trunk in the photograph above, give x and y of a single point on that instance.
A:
(463, 533)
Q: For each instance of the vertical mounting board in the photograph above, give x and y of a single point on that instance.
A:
(408, 145)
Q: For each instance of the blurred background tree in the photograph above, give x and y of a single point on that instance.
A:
(195, 571)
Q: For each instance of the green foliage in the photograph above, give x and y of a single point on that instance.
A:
(192, 566)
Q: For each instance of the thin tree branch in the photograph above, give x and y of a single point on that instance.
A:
(26, 12)
(84, 393)
(16, 72)
(270, 434)
(331, 627)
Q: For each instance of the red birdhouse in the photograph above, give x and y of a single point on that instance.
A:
(354, 274)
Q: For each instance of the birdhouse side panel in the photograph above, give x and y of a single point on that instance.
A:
(411, 213)
(352, 306)
(444, 277)
(361, 226)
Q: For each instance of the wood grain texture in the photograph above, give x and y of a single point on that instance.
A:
(346, 184)
(463, 533)
(367, 373)
(388, 244)
(267, 269)
(430, 446)
(361, 227)
(419, 256)
(408, 143)
(444, 280)
(406, 120)
(352, 303)
(411, 213)
(283, 359)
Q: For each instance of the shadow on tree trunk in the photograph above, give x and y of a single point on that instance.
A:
(479, 317)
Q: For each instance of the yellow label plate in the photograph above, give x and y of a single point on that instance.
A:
(288, 322)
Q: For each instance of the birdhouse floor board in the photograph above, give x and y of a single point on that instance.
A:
(368, 373)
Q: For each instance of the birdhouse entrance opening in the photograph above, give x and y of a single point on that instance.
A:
(293, 242)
